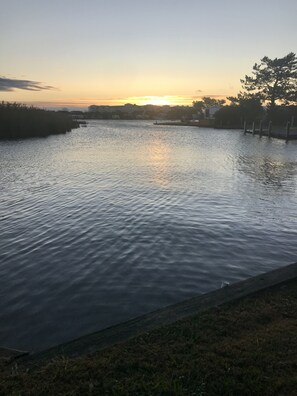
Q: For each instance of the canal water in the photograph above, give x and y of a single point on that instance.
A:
(123, 217)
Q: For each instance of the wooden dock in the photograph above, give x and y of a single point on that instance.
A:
(177, 123)
(277, 135)
(278, 132)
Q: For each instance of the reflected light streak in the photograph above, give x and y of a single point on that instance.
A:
(159, 160)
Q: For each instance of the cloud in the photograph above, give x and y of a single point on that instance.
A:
(9, 84)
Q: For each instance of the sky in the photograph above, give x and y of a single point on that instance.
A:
(75, 53)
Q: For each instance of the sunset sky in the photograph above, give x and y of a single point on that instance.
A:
(74, 53)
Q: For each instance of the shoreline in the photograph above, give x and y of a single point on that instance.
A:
(108, 337)
(242, 347)
(278, 133)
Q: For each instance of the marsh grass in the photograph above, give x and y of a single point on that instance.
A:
(18, 121)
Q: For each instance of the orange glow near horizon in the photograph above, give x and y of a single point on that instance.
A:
(84, 103)
(159, 101)
(156, 100)
(137, 100)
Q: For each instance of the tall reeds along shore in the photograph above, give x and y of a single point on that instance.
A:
(19, 121)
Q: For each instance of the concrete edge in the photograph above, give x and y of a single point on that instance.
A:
(8, 355)
(124, 331)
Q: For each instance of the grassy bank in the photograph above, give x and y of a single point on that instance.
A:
(19, 121)
(245, 348)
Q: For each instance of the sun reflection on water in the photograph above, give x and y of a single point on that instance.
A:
(159, 161)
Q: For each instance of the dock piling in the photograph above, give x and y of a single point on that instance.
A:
(269, 129)
(288, 131)
(260, 128)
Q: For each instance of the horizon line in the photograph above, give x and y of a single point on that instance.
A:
(158, 100)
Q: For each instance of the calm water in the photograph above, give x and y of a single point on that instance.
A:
(120, 218)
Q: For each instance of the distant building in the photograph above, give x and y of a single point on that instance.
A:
(209, 112)
(129, 108)
(105, 109)
(92, 108)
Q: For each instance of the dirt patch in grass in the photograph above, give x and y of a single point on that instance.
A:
(248, 347)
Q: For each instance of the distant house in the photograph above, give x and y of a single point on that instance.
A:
(209, 112)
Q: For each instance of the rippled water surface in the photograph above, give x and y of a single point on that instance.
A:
(120, 218)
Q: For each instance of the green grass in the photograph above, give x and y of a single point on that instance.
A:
(245, 348)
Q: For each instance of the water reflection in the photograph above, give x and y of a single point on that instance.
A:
(268, 171)
(110, 222)
(159, 162)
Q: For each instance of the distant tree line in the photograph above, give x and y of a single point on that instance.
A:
(269, 94)
(20, 121)
(146, 112)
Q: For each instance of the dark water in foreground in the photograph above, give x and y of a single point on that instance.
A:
(120, 218)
